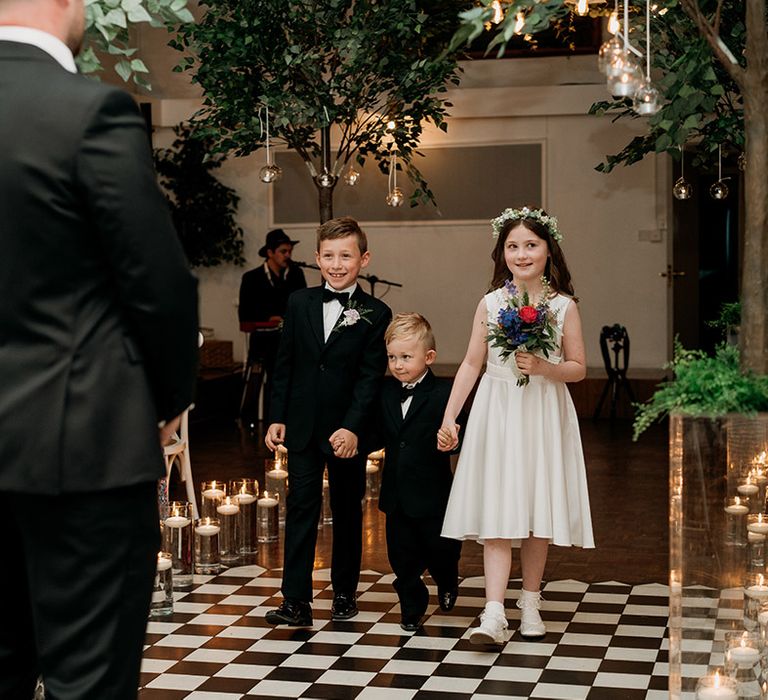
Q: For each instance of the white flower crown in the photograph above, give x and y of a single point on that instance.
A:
(549, 222)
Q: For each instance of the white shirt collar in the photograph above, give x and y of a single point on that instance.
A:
(54, 47)
(410, 385)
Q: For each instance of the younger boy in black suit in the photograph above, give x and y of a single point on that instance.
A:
(327, 376)
(417, 476)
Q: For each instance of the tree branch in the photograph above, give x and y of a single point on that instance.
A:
(692, 9)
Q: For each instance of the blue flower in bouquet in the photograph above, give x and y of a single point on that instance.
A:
(522, 326)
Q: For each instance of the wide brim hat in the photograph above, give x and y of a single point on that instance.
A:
(276, 237)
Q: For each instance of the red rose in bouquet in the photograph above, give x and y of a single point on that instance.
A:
(528, 314)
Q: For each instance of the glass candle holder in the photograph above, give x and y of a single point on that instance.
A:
(743, 663)
(276, 482)
(246, 493)
(372, 479)
(755, 594)
(162, 593)
(177, 539)
(267, 517)
(762, 622)
(326, 517)
(228, 537)
(736, 511)
(756, 552)
(207, 557)
(717, 687)
(212, 495)
(748, 492)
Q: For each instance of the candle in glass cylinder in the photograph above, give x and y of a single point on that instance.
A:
(213, 490)
(736, 506)
(747, 487)
(267, 517)
(228, 541)
(717, 687)
(758, 523)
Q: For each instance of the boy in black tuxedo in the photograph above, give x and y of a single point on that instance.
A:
(417, 476)
(327, 377)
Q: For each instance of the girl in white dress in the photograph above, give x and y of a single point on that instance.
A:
(521, 474)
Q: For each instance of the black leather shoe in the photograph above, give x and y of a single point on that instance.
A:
(344, 606)
(410, 623)
(447, 598)
(291, 612)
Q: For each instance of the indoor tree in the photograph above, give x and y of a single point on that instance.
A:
(370, 74)
(712, 61)
(108, 24)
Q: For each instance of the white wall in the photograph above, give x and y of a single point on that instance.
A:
(445, 268)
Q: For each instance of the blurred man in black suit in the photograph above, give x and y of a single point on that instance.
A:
(98, 354)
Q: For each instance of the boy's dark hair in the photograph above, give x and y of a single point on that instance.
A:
(341, 228)
(556, 270)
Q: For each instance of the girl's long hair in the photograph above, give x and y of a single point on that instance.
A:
(556, 270)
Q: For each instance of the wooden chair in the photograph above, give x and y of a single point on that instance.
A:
(616, 368)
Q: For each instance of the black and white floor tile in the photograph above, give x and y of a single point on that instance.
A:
(605, 641)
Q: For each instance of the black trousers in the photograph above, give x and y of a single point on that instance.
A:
(415, 545)
(346, 483)
(76, 583)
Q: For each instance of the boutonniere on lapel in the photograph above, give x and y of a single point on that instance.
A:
(352, 314)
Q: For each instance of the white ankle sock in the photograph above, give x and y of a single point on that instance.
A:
(494, 607)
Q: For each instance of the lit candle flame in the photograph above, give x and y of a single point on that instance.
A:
(613, 23)
(717, 679)
(582, 8)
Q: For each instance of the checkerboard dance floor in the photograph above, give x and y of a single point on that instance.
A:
(605, 641)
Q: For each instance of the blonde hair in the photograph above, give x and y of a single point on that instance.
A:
(341, 228)
(410, 325)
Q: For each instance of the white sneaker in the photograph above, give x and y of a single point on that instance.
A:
(531, 625)
(492, 629)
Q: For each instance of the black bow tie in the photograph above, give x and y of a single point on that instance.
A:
(341, 297)
(406, 392)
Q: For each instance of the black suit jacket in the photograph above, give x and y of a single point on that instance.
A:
(319, 387)
(260, 299)
(98, 310)
(417, 476)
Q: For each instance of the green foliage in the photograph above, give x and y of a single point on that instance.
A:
(702, 103)
(728, 318)
(351, 64)
(704, 385)
(203, 209)
(108, 24)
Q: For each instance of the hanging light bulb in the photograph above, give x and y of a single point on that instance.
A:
(519, 23)
(719, 190)
(498, 12)
(581, 7)
(682, 189)
(613, 23)
(351, 176)
(395, 196)
(647, 99)
(270, 172)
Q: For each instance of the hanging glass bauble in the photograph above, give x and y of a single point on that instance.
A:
(682, 189)
(742, 161)
(325, 179)
(351, 177)
(647, 100)
(627, 80)
(608, 51)
(396, 197)
(270, 173)
(618, 62)
(719, 190)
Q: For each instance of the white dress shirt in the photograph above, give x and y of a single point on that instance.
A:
(332, 309)
(47, 42)
(405, 405)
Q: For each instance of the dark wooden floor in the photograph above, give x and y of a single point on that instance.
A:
(628, 496)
